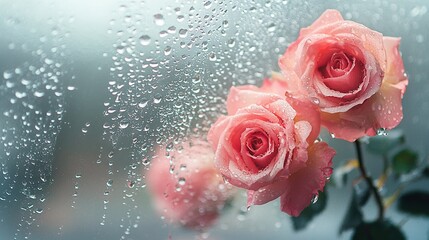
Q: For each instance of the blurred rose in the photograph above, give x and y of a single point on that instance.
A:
(354, 74)
(266, 144)
(189, 191)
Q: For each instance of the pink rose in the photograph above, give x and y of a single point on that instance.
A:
(267, 145)
(354, 74)
(194, 193)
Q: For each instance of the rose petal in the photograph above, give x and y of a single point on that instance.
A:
(255, 163)
(348, 81)
(383, 110)
(216, 130)
(395, 73)
(327, 17)
(302, 131)
(239, 169)
(304, 184)
(192, 206)
(244, 96)
(306, 111)
(268, 193)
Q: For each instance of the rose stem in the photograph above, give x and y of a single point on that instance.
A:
(369, 181)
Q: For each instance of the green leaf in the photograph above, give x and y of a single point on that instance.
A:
(353, 215)
(382, 144)
(404, 161)
(301, 222)
(378, 231)
(426, 172)
(415, 203)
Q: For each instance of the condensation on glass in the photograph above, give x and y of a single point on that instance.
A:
(89, 91)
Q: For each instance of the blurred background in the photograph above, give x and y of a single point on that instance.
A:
(89, 89)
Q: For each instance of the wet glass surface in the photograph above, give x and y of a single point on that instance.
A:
(88, 90)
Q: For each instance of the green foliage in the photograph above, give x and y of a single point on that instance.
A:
(382, 144)
(404, 161)
(415, 203)
(425, 172)
(354, 214)
(307, 215)
(378, 231)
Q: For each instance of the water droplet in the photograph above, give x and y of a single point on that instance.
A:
(382, 132)
(123, 124)
(143, 103)
(182, 181)
(39, 210)
(20, 94)
(163, 33)
(25, 82)
(183, 33)
(78, 175)
(212, 56)
(48, 61)
(271, 27)
(180, 18)
(207, 4)
(145, 40)
(38, 94)
(231, 43)
(314, 199)
(157, 99)
(131, 184)
(241, 216)
(109, 182)
(332, 135)
(182, 167)
(158, 19)
(120, 50)
(7, 74)
(315, 100)
(171, 29)
(167, 50)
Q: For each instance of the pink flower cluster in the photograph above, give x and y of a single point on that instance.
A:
(186, 187)
(339, 75)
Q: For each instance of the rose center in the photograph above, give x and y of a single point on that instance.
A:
(257, 144)
(342, 72)
(339, 61)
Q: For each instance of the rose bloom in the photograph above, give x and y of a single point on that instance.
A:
(194, 193)
(266, 144)
(354, 74)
